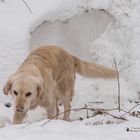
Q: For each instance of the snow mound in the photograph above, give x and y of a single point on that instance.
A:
(73, 34)
(91, 29)
(94, 30)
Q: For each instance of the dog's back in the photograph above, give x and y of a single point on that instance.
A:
(61, 61)
(55, 59)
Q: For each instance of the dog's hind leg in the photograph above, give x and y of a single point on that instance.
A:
(66, 102)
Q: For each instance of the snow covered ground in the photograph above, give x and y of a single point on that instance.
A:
(94, 30)
(57, 130)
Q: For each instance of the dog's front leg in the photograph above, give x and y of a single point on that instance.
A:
(52, 110)
(18, 117)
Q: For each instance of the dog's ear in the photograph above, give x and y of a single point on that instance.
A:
(40, 87)
(7, 86)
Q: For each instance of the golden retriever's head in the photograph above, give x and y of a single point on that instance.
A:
(26, 89)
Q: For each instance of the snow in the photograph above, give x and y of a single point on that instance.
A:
(94, 30)
(68, 33)
(66, 130)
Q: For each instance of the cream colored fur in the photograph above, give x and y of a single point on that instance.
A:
(48, 76)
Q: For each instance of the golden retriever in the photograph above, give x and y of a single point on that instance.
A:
(47, 76)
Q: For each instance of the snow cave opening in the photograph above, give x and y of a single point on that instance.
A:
(74, 34)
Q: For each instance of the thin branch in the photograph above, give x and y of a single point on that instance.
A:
(61, 114)
(83, 108)
(87, 114)
(123, 110)
(27, 6)
(119, 102)
(121, 118)
(129, 110)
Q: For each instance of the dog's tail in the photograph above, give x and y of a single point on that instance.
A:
(93, 70)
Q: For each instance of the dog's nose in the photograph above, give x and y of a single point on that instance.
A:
(19, 109)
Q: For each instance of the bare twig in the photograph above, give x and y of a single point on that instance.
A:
(129, 110)
(87, 114)
(27, 6)
(123, 110)
(121, 118)
(119, 102)
(61, 114)
(83, 108)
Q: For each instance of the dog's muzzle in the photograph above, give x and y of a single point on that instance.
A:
(19, 109)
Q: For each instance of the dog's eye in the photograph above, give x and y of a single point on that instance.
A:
(15, 93)
(28, 94)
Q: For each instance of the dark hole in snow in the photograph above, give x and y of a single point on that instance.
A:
(8, 105)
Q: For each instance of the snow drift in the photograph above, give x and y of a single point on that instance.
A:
(74, 34)
(94, 30)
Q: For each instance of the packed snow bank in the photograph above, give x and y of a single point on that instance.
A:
(74, 34)
(117, 35)
(95, 35)
(103, 33)
(108, 31)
